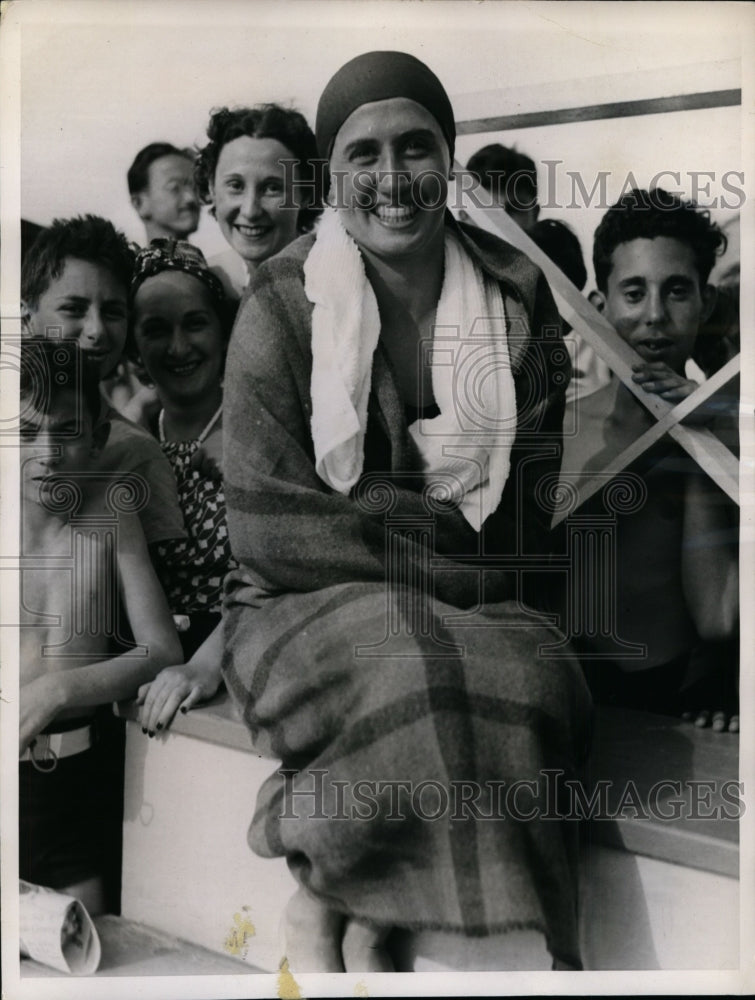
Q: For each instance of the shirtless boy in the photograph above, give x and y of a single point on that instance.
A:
(82, 565)
(676, 558)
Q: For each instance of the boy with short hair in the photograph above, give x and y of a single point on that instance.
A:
(676, 558)
(162, 190)
(74, 286)
(82, 561)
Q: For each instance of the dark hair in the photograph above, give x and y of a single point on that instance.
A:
(560, 243)
(88, 238)
(642, 214)
(264, 121)
(138, 172)
(511, 173)
(51, 367)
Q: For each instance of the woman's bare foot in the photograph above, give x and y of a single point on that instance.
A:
(363, 948)
(313, 935)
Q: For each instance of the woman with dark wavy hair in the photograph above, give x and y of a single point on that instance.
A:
(259, 176)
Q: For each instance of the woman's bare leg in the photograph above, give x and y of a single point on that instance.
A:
(364, 949)
(435, 951)
(313, 935)
(319, 939)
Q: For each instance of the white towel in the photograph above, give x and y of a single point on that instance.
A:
(345, 331)
(469, 442)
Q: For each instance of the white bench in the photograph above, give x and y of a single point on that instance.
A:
(649, 887)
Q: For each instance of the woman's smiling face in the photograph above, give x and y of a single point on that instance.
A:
(389, 177)
(253, 195)
(179, 336)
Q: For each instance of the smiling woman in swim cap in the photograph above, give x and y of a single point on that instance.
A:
(394, 394)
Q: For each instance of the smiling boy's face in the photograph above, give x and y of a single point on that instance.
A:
(654, 300)
(86, 302)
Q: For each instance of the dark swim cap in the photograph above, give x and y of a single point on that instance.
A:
(380, 76)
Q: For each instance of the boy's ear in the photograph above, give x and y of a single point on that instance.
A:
(710, 296)
(140, 201)
(598, 300)
(100, 434)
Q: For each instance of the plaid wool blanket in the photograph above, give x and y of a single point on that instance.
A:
(380, 648)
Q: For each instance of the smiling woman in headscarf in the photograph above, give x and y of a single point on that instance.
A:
(394, 397)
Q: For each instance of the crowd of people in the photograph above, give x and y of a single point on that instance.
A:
(284, 476)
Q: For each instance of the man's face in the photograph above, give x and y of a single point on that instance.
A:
(169, 205)
(86, 303)
(654, 299)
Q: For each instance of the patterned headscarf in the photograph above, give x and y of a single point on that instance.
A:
(175, 255)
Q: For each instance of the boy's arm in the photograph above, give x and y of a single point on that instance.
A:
(118, 677)
(710, 572)
(182, 686)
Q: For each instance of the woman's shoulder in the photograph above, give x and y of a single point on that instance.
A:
(502, 261)
(278, 283)
(275, 313)
(286, 264)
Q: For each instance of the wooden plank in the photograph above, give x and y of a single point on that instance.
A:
(597, 112)
(713, 457)
(581, 314)
(638, 85)
(655, 433)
